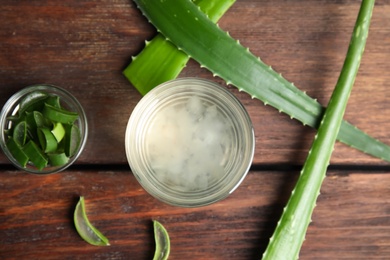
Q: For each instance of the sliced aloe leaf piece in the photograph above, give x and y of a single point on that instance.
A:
(20, 133)
(182, 23)
(36, 156)
(32, 101)
(59, 115)
(47, 140)
(31, 124)
(161, 237)
(13, 121)
(53, 101)
(57, 159)
(58, 131)
(85, 229)
(72, 139)
(36, 119)
(17, 152)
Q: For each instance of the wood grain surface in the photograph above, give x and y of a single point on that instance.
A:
(84, 45)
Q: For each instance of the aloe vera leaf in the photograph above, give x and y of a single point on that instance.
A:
(160, 60)
(291, 229)
(191, 31)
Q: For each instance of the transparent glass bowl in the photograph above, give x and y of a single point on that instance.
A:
(68, 101)
(189, 142)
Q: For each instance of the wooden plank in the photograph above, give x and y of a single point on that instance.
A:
(351, 220)
(84, 45)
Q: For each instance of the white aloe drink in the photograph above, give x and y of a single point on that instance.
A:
(188, 144)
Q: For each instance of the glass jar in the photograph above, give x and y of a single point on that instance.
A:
(68, 102)
(189, 142)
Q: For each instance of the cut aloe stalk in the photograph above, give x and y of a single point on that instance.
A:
(58, 131)
(20, 133)
(71, 139)
(56, 114)
(85, 229)
(32, 101)
(161, 237)
(57, 159)
(35, 155)
(182, 23)
(17, 152)
(160, 60)
(53, 101)
(47, 140)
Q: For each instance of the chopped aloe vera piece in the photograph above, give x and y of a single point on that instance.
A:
(20, 133)
(35, 154)
(36, 119)
(57, 159)
(41, 120)
(32, 101)
(13, 121)
(85, 229)
(58, 131)
(161, 238)
(72, 139)
(59, 115)
(17, 152)
(53, 101)
(47, 140)
(31, 121)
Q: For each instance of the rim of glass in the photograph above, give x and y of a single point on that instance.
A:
(68, 100)
(143, 112)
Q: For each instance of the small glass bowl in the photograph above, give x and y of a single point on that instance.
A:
(68, 101)
(189, 142)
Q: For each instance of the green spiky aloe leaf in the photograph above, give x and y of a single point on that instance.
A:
(291, 229)
(160, 60)
(182, 23)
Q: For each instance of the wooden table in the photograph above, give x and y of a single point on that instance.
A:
(83, 46)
